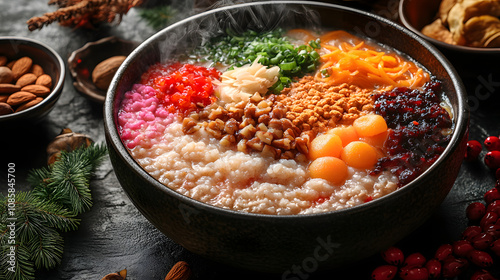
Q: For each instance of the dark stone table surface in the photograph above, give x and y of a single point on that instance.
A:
(113, 235)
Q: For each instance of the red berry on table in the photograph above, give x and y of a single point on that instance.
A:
(453, 267)
(415, 260)
(491, 195)
(415, 273)
(494, 207)
(444, 251)
(492, 159)
(493, 230)
(489, 218)
(384, 272)
(480, 258)
(482, 241)
(473, 150)
(482, 275)
(497, 174)
(434, 268)
(461, 248)
(495, 247)
(475, 211)
(393, 255)
(471, 231)
(492, 143)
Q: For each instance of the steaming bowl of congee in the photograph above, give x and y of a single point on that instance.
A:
(271, 134)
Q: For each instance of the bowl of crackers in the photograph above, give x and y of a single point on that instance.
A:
(31, 80)
(471, 26)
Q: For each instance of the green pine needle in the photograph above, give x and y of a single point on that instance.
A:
(60, 192)
(158, 17)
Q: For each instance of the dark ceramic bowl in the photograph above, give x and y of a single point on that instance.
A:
(416, 14)
(52, 64)
(82, 62)
(276, 243)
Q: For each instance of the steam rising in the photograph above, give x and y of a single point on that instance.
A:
(259, 16)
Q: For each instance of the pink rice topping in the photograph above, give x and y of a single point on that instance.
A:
(142, 119)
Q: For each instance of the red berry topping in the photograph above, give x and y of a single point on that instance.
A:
(492, 143)
(414, 273)
(495, 247)
(497, 174)
(475, 211)
(444, 251)
(394, 256)
(482, 241)
(491, 195)
(473, 150)
(482, 275)
(384, 272)
(492, 159)
(470, 232)
(480, 258)
(412, 148)
(453, 267)
(434, 268)
(489, 218)
(461, 248)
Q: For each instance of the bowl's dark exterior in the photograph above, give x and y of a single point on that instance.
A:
(283, 244)
(52, 64)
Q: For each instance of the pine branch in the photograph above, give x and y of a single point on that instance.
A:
(158, 17)
(40, 213)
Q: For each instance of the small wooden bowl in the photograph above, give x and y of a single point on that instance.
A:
(83, 61)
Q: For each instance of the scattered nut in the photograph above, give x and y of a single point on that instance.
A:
(180, 271)
(68, 141)
(121, 275)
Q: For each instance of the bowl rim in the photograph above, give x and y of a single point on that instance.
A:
(458, 48)
(114, 139)
(56, 90)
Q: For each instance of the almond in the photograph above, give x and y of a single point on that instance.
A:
(20, 97)
(37, 89)
(37, 70)
(21, 67)
(3, 60)
(5, 109)
(6, 75)
(180, 271)
(10, 64)
(3, 98)
(9, 88)
(29, 104)
(104, 71)
(44, 80)
(26, 79)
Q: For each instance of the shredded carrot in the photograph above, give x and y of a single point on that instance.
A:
(348, 59)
